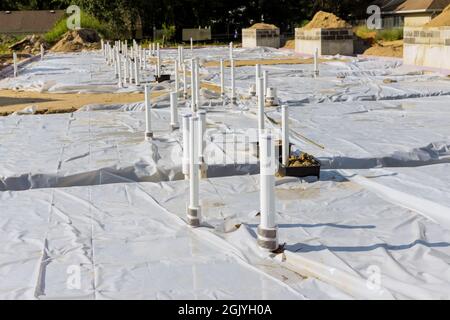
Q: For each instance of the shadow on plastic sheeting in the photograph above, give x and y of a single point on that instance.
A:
(304, 248)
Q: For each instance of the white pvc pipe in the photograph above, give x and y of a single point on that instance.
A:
(267, 230)
(222, 78)
(125, 70)
(148, 115)
(201, 131)
(231, 51)
(197, 83)
(285, 135)
(185, 160)
(15, 65)
(265, 81)
(193, 84)
(136, 72)
(267, 164)
(192, 48)
(257, 76)
(233, 96)
(144, 53)
(316, 62)
(193, 163)
(102, 45)
(158, 60)
(182, 55)
(259, 90)
(177, 84)
(116, 72)
(42, 52)
(119, 67)
(174, 110)
(131, 64)
(184, 81)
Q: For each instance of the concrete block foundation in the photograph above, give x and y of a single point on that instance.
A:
(428, 47)
(328, 41)
(252, 38)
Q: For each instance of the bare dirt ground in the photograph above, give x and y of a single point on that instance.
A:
(386, 49)
(11, 101)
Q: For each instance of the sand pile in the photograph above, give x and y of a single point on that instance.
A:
(30, 44)
(442, 20)
(290, 44)
(386, 49)
(326, 20)
(78, 40)
(264, 26)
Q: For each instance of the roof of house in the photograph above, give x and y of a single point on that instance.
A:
(399, 6)
(29, 21)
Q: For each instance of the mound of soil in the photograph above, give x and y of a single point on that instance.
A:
(290, 44)
(264, 26)
(386, 49)
(78, 40)
(326, 20)
(442, 20)
(30, 44)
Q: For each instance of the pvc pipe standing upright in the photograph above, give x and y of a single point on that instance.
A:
(116, 71)
(222, 79)
(182, 56)
(144, 54)
(265, 81)
(257, 76)
(131, 65)
(285, 135)
(194, 210)
(102, 45)
(316, 63)
(158, 60)
(148, 114)
(193, 84)
(259, 89)
(125, 69)
(233, 93)
(197, 83)
(136, 72)
(267, 231)
(192, 48)
(42, 52)
(185, 159)
(231, 51)
(15, 64)
(177, 83)
(201, 142)
(119, 73)
(174, 111)
(185, 94)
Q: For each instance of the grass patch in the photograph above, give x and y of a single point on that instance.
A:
(87, 21)
(390, 34)
(6, 41)
(365, 33)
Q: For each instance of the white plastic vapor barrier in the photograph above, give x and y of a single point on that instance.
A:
(90, 209)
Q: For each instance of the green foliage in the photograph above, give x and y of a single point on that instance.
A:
(87, 21)
(168, 31)
(6, 41)
(390, 34)
(302, 23)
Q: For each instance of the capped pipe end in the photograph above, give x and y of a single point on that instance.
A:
(193, 217)
(267, 238)
(148, 135)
